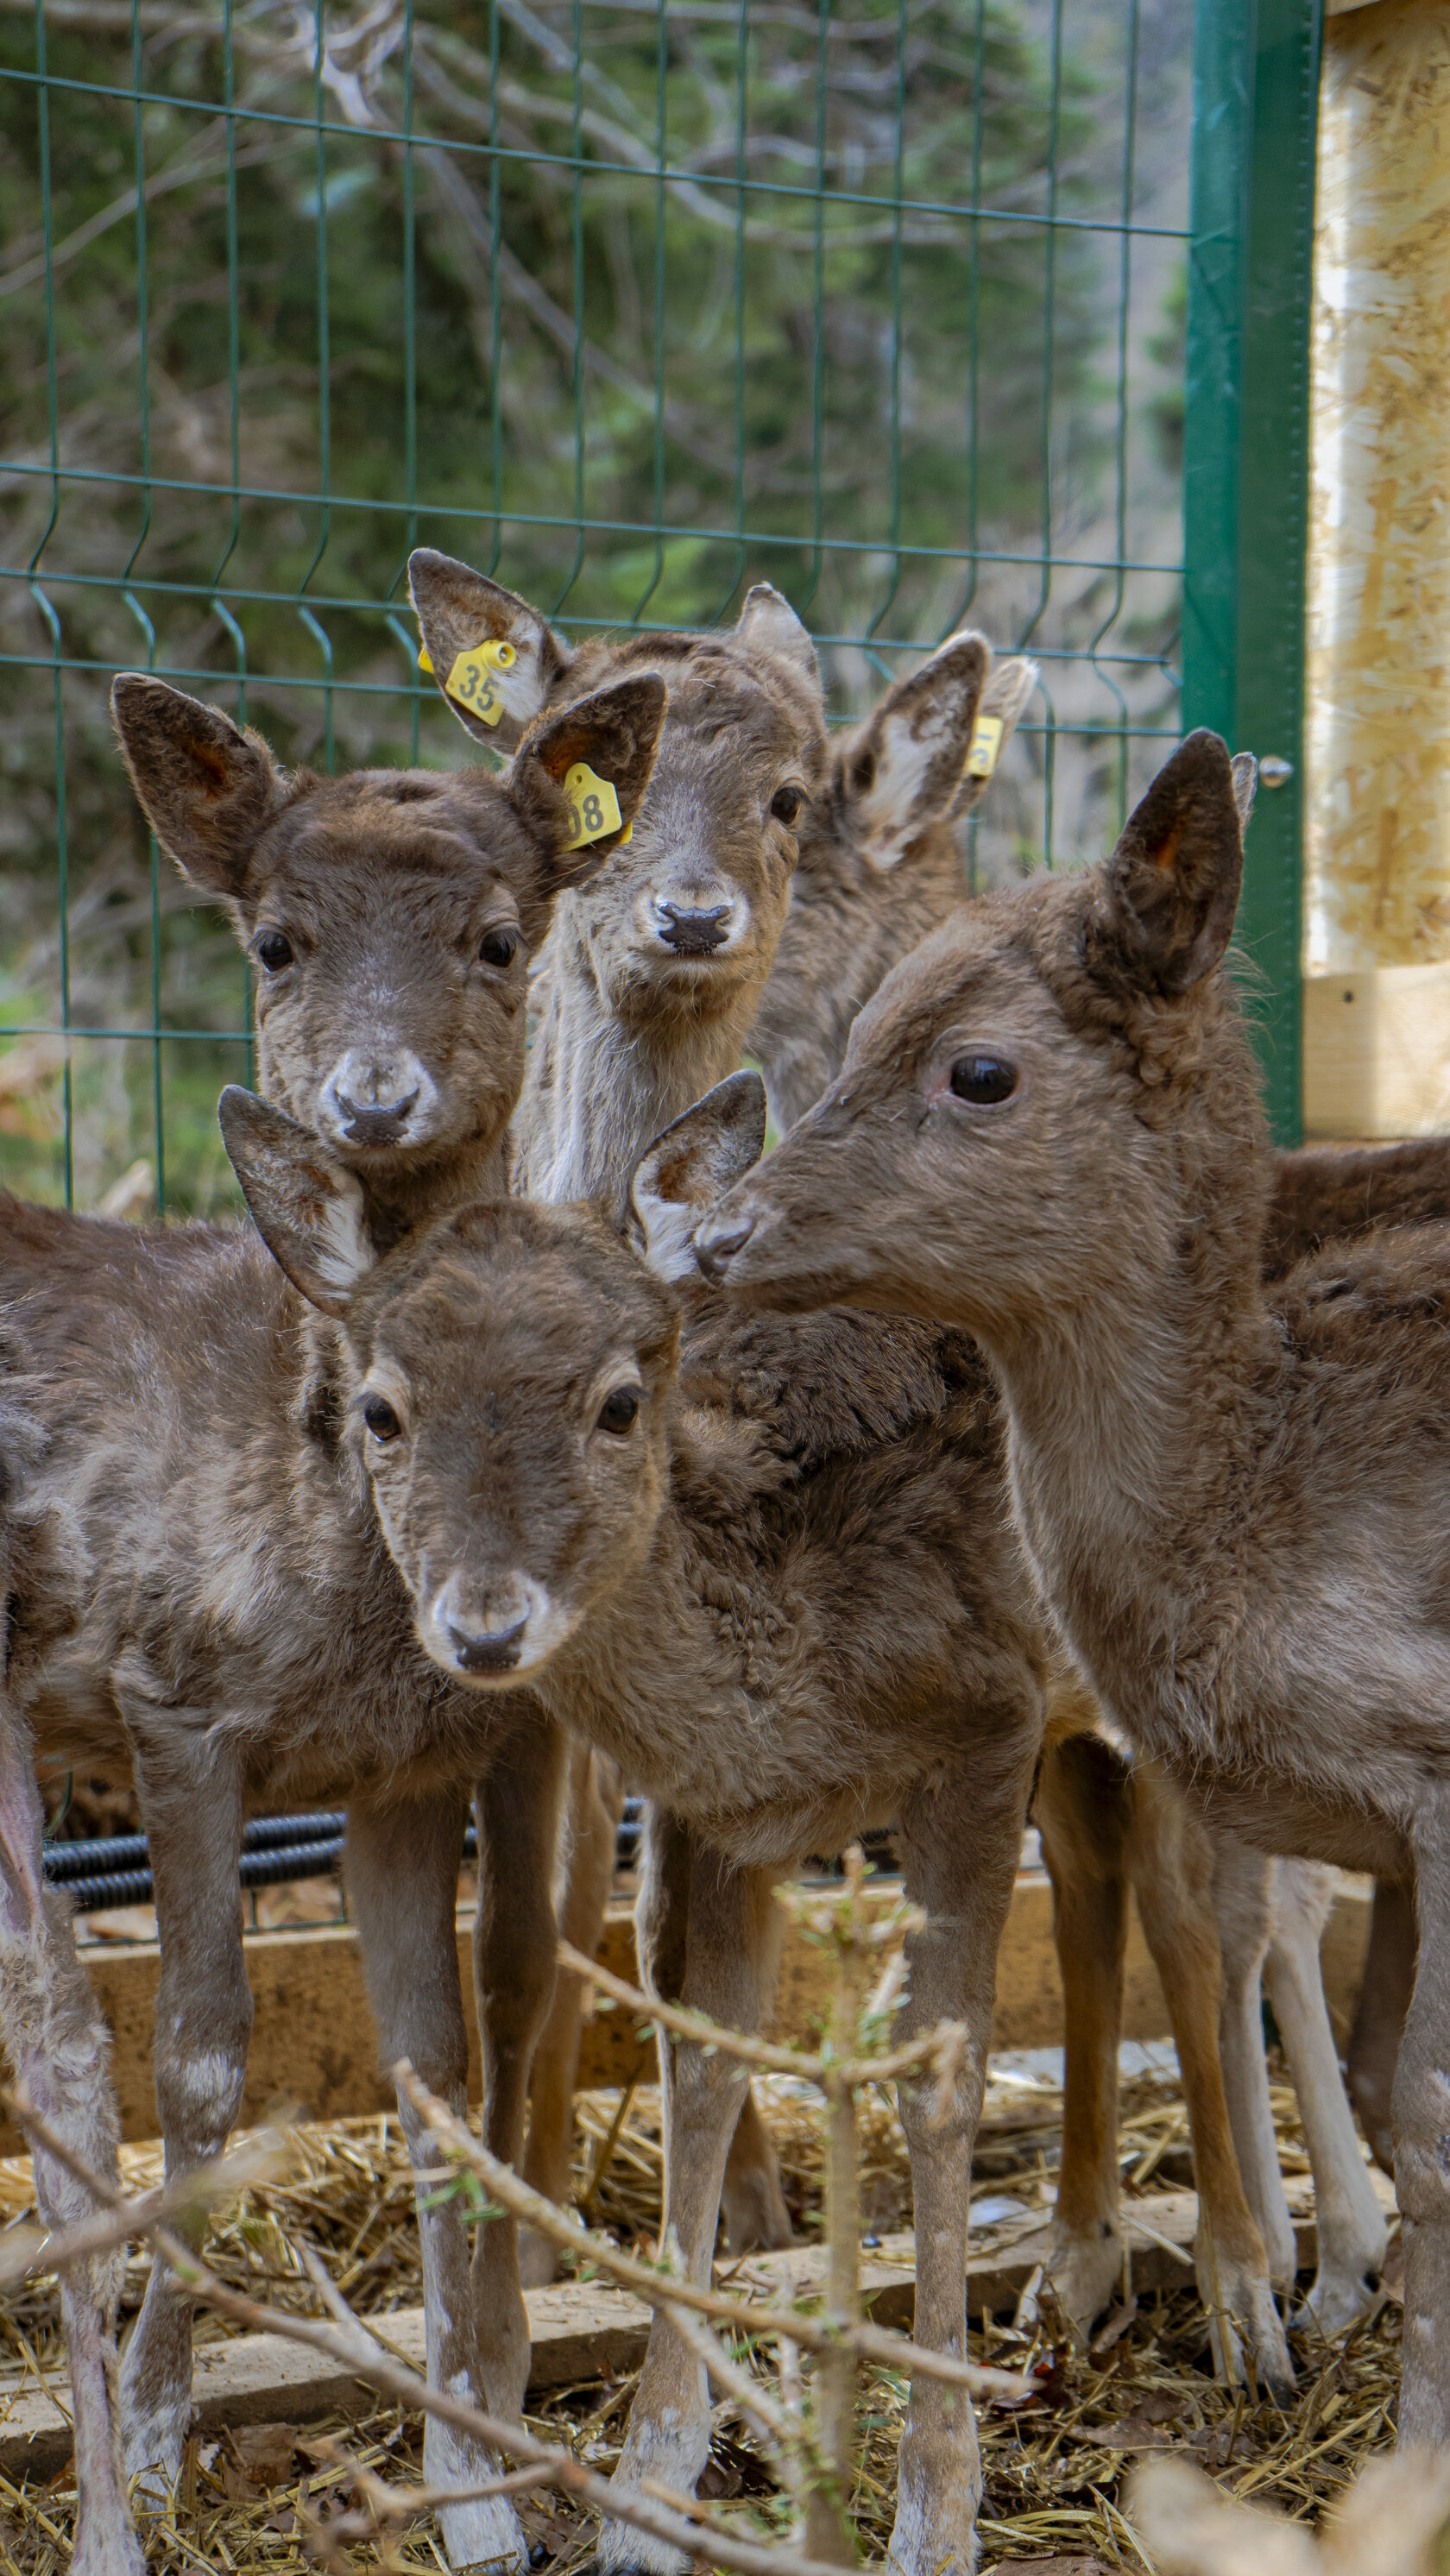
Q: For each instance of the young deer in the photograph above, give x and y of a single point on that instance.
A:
(878, 869)
(169, 1409)
(1048, 1128)
(788, 1623)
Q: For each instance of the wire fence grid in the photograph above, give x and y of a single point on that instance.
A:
(629, 302)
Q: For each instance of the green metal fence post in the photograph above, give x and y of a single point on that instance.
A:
(1246, 461)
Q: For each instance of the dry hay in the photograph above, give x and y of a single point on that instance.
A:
(1055, 2472)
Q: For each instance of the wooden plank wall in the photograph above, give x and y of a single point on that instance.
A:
(314, 2048)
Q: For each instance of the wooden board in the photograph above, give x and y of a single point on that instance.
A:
(314, 2049)
(585, 2332)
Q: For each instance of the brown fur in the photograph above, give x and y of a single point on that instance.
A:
(1238, 1513)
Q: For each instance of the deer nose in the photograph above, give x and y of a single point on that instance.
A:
(380, 1123)
(693, 934)
(715, 1252)
(495, 1650)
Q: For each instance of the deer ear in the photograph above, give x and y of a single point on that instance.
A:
(1246, 780)
(903, 768)
(1173, 881)
(580, 776)
(307, 1206)
(1004, 702)
(494, 658)
(769, 621)
(207, 789)
(692, 1165)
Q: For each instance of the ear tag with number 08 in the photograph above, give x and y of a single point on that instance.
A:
(986, 743)
(593, 805)
(473, 680)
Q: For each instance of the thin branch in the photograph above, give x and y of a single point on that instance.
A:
(41, 2249)
(664, 2289)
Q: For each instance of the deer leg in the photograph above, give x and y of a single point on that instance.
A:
(59, 2050)
(1242, 1903)
(960, 1847)
(402, 1880)
(595, 1804)
(1172, 1860)
(1421, 2114)
(751, 2198)
(1350, 2224)
(514, 1970)
(191, 1799)
(1082, 1807)
(731, 1940)
(1374, 2042)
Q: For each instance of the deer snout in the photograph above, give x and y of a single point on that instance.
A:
(483, 1628)
(718, 1239)
(693, 930)
(375, 1100)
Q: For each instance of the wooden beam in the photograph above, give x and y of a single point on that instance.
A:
(314, 2048)
(584, 2331)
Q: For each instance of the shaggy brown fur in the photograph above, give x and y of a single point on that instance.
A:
(786, 1638)
(1239, 1514)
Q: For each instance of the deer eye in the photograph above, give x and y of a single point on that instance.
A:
(983, 1078)
(380, 1418)
(274, 951)
(786, 803)
(620, 1411)
(497, 947)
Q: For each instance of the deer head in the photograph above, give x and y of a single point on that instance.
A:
(390, 915)
(688, 921)
(1001, 1117)
(508, 1373)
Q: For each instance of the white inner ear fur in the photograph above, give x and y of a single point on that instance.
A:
(887, 814)
(1246, 780)
(521, 686)
(341, 1251)
(669, 1226)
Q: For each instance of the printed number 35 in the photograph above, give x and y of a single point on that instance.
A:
(477, 690)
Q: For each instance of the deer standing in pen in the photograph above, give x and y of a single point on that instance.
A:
(1048, 1126)
(195, 1583)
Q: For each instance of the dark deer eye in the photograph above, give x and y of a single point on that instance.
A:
(785, 804)
(496, 947)
(620, 1411)
(984, 1078)
(380, 1418)
(274, 951)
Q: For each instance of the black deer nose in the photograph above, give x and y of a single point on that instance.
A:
(693, 934)
(375, 1126)
(496, 1652)
(714, 1252)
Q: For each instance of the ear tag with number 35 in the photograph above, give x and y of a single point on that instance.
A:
(473, 680)
(986, 743)
(593, 805)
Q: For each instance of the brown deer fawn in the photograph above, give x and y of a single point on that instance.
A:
(1048, 1128)
(787, 1623)
(196, 1585)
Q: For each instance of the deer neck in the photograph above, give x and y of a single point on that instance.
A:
(396, 1204)
(599, 1089)
(1137, 1430)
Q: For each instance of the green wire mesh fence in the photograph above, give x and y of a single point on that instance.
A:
(629, 302)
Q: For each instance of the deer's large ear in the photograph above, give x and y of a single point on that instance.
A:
(1173, 881)
(580, 776)
(1246, 783)
(494, 658)
(307, 1206)
(692, 1165)
(1004, 702)
(901, 770)
(207, 789)
(768, 620)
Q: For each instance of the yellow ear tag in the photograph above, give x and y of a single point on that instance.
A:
(593, 806)
(473, 682)
(425, 659)
(986, 743)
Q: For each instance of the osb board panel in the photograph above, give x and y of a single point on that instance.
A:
(583, 2331)
(313, 2044)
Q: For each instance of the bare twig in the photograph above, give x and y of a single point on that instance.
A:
(41, 2249)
